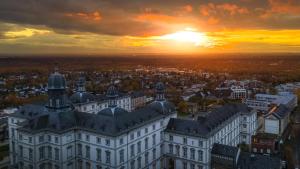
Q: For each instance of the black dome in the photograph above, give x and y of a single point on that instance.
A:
(112, 91)
(56, 81)
(160, 87)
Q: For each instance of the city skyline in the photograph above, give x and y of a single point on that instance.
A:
(115, 27)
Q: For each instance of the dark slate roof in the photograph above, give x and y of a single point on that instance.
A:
(82, 97)
(112, 111)
(204, 125)
(281, 111)
(224, 150)
(102, 123)
(136, 94)
(30, 111)
(56, 81)
(257, 161)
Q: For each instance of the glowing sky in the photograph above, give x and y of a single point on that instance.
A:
(148, 26)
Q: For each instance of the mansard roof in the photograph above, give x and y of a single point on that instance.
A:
(224, 150)
(82, 97)
(102, 123)
(204, 125)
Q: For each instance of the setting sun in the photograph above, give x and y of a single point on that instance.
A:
(188, 36)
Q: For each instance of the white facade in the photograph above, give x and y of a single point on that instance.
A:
(188, 151)
(139, 148)
(263, 101)
(96, 106)
(238, 92)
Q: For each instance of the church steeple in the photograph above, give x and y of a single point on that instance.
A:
(57, 97)
(112, 94)
(81, 84)
(160, 91)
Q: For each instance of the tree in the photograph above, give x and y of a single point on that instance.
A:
(182, 107)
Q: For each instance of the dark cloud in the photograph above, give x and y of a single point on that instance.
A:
(120, 17)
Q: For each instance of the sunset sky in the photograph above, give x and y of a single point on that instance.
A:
(148, 26)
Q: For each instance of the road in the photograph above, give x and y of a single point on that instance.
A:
(295, 139)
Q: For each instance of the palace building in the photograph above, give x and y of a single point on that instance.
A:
(62, 134)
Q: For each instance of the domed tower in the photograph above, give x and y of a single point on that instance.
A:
(160, 91)
(112, 94)
(81, 84)
(57, 97)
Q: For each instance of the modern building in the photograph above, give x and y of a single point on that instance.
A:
(238, 92)
(277, 120)
(263, 101)
(56, 135)
(229, 157)
(188, 143)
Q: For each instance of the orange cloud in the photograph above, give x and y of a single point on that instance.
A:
(152, 17)
(219, 9)
(213, 20)
(94, 16)
(188, 8)
(285, 6)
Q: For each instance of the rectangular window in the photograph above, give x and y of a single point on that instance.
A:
(170, 148)
(177, 150)
(56, 139)
(107, 141)
(146, 143)
(139, 162)
(192, 153)
(132, 150)
(200, 143)
(139, 149)
(170, 137)
(146, 158)
(87, 152)
(153, 127)
(146, 130)
(107, 157)
(154, 139)
(49, 138)
(41, 139)
(79, 147)
(41, 153)
(184, 152)
(139, 133)
(99, 154)
(200, 155)
(21, 151)
(121, 156)
(87, 138)
(69, 152)
(98, 140)
(121, 141)
(56, 154)
(30, 139)
(184, 140)
(30, 153)
(79, 136)
(154, 153)
(49, 152)
(131, 136)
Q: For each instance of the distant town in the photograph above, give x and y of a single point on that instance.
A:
(147, 117)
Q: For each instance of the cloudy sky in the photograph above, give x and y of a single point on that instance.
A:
(148, 26)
